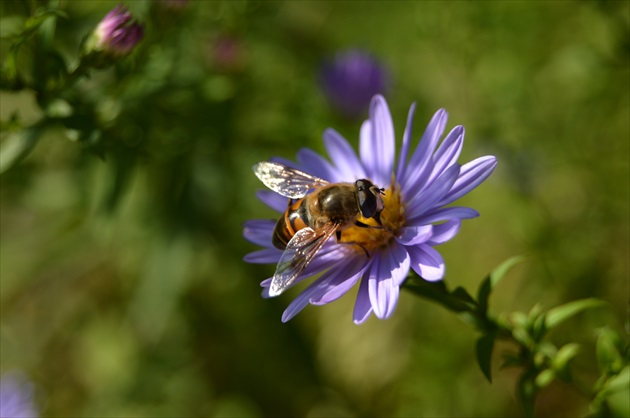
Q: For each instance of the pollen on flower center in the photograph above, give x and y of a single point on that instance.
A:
(392, 218)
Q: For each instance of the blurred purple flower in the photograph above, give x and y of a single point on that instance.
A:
(227, 53)
(351, 79)
(16, 397)
(118, 33)
(417, 191)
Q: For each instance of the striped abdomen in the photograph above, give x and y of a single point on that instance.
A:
(294, 219)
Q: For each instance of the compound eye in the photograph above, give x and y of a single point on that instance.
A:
(368, 203)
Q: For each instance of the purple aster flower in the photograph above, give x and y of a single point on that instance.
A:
(16, 397)
(117, 33)
(416, 217)
(351, 79)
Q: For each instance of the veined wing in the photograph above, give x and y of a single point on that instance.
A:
(300, 251)
(287, 181)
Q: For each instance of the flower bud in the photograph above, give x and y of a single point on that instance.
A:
(114, 37)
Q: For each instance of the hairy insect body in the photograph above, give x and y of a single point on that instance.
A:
(337, 203)
(317, 211)
(295, 218)
(333, 204)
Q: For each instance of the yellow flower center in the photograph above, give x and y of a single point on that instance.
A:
(392, 217)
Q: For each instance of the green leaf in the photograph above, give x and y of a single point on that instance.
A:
(18, 145)
(609, 358)
(19, 30)
(564, 355)
(11, 26)
(490, 282)
(540, 359)
(463, 295)
(518, 319)
(437, 292)
(619, 382)
(538, 326)
(561, 313)
(484, 348)
(612, 397)
(498, 273)
(545, 377)
(41, 16)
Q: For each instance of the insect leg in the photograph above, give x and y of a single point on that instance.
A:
(362, 225)
(367, 254)
(377, 218)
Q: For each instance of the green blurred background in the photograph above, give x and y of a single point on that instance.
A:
(123, 289)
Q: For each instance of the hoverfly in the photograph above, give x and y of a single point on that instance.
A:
(314, 217)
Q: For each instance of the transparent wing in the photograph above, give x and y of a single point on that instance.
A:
(300, 251)
(287, 181)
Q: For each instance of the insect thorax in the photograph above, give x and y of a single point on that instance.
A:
(338, 203)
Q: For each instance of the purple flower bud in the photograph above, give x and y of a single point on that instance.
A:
(118, 33)
(351, 79)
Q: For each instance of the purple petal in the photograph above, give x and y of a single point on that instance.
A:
(404, 149)
(413, 235)
(386, 294)
(403, 262)
(273, 200)
(378, 149)
(444, 232)
(347, 277)
(326, 258)
(362, 306)
(365, 144)
(342, 155)
(259, 231)
(316, 290)
(266, 256)
(260, 224)
(315, 164)
(16, 396)
(302, 299)
(427, 262)
(383, 291)
(428, 198)
(421, 162)
(266, 284)
(471, 176)
(448, 152)
(443, 214)
(384, 278)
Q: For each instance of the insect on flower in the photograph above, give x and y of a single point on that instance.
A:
(310, 221)
(397, 227)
